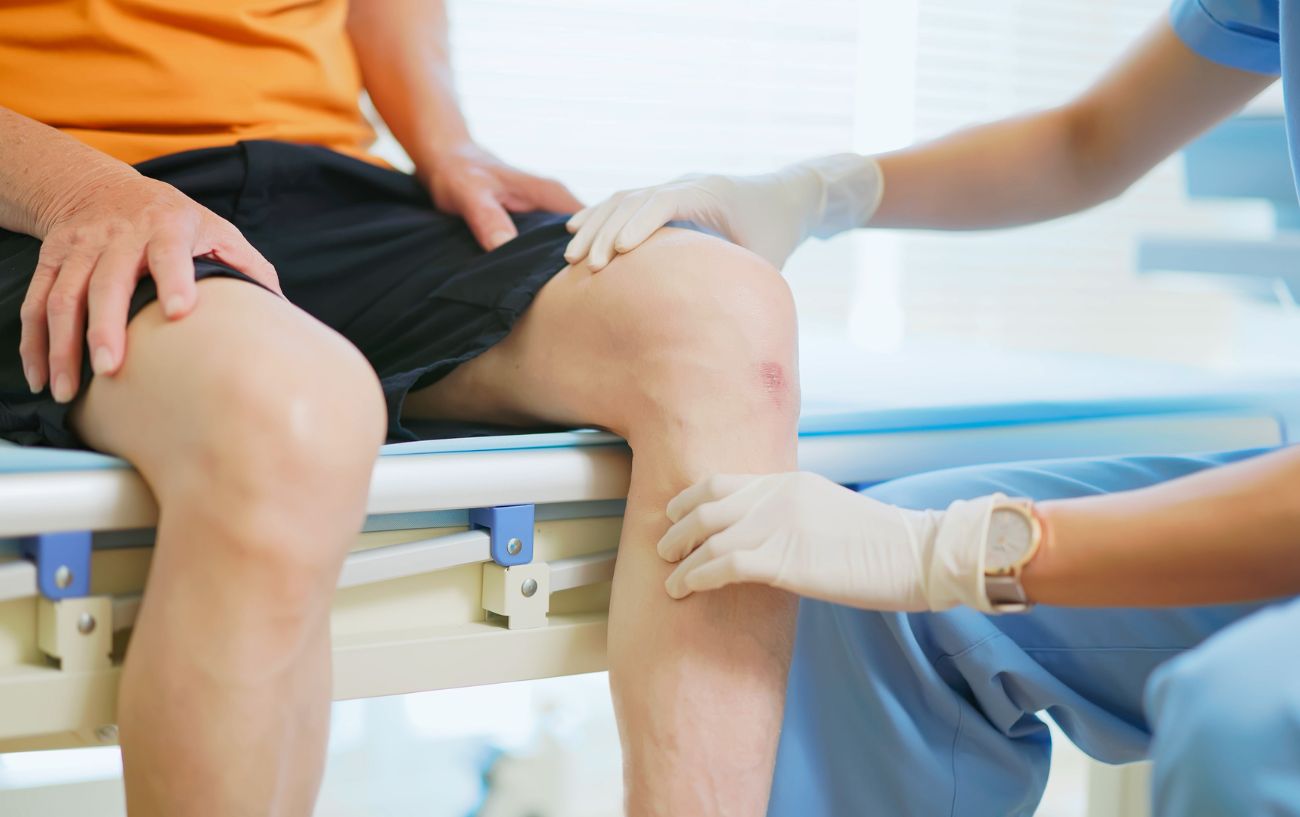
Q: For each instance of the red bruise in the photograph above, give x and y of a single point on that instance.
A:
(774, 381)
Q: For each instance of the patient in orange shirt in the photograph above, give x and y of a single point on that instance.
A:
(204, 272)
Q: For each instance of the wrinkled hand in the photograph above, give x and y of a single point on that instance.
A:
(803, 533)
(475, 185)
(770, 214)
(91, 259)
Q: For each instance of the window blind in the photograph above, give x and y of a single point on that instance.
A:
(607, 96)
(1069, 284)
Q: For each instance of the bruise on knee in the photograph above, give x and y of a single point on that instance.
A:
(775, 382)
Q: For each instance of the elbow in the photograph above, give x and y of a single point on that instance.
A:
(1098, 168)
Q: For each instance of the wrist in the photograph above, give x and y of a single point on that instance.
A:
(1014, 539)
(1043, 574)
(436, 131)
(850, 188)
(955, 574)
(439, 151)
(65, 197)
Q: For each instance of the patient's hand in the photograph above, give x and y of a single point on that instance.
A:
(114, 230)
(470, 182)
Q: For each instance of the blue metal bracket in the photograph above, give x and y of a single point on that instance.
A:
(62, 563)
(511, 530)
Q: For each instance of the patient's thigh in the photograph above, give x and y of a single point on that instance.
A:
(582, 351)
(241, 372)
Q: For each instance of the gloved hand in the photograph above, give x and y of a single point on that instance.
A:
(805, 534)
(769, 214)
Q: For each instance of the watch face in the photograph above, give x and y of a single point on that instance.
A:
(1010, 537)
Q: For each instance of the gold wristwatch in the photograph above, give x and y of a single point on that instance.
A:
(1015, 535)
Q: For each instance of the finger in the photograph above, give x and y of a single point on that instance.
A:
(720, 561)
(578, 219)
(232, 249)
(108, 300)
(170, 260)
(710, 489)
(488, 220)
(702, 523)
(602, 246)
(580, 244)
(734, 568)
(675, 584)
(65, 312)
(642, 224)
(34, 342)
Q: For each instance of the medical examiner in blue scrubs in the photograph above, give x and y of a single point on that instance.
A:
(1168, 624)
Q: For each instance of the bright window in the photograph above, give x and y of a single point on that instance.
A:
(611, 95)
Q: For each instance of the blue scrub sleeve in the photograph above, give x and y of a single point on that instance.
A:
(1240, 34)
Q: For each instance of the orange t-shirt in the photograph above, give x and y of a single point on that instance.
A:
(143, 78)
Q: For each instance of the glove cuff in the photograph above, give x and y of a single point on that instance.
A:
(851, 189)
(956, 572)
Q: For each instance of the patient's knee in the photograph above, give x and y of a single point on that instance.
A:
(709, 320)
(280, 464)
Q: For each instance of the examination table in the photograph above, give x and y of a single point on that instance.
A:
(488, 559)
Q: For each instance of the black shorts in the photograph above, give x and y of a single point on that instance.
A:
(359, 247)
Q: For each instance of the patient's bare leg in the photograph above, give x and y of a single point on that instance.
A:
(256, 428)
(686, 347)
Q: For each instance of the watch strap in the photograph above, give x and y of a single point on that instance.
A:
(1006, 594)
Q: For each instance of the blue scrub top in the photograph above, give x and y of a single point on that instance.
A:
(1262, 36)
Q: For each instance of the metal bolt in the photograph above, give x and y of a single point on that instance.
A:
(63, 577)
(107, 734)
(514, 546)
(528, 588)
(85, 624)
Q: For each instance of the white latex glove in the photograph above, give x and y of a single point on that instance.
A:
(769, 214)
(805, 534)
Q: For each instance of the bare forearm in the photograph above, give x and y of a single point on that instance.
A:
(1007, 173)
(1226, 535)
(1066, 159)
(41, 171)
(404, 55)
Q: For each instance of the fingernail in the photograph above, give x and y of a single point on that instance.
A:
(173, 306)
(499, 237)
(32, 382)
(62, 389)
(101, 360)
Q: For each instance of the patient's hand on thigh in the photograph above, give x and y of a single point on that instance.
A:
(91, 259)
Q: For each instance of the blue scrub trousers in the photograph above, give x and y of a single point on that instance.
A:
(935, 714)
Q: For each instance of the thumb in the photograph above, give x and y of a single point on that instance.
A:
(488, 221)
